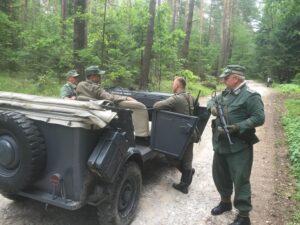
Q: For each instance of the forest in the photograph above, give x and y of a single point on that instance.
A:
(142, 43)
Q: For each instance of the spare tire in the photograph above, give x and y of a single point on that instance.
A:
(22, 152)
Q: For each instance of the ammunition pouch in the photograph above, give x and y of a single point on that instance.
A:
(213, 124)
(249, 137)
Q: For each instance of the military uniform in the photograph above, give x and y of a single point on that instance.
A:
(179, 103)
(68, 90)
(232, 163)
(92, 90)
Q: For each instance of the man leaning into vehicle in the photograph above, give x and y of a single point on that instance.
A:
(181, 102)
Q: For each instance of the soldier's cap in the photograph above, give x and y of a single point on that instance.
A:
(72, 73)
(93, 70)
(233, 69)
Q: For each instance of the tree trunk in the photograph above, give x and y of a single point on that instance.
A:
(63, 17)
(24, 13)
(186, 13)
(185, 48)
(147, 52)
(209, 38)
(175, 14)
(225, 34)
(80, 34)
(201, 16)
(103, 33)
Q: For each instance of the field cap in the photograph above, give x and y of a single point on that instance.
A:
(233, 69)
(72, 73)
(93, 70)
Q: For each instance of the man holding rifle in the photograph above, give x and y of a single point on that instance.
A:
(238, 110)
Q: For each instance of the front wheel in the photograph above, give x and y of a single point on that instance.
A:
(120, 209)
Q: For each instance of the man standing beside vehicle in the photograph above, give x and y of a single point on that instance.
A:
(90, 89)
(68, 91)
(242, 110)
(181, 102)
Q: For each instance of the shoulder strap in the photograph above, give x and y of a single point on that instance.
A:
(186, 96)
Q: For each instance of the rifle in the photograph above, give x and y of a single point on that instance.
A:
(222, 117)
(196, 103)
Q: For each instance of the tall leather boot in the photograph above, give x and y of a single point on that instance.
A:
(191, 174)
(185, 181)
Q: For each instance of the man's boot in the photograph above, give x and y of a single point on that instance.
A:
(191, 174)
(185, 181)
(221, 208)
(241, 220)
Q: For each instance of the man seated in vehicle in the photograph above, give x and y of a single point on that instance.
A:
(68, 91)
(90, 89)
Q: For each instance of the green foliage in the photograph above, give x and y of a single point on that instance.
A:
(9, 30)
(291, 122)
(120, 47)
(193, 88)
(292, 126)
(243, 49)
(119, 77)
(45, 85)
(296, 80)
(166, 44)
(278, 42)
(287, 88)
(189, 76)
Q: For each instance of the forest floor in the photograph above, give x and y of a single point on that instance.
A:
(272, 185)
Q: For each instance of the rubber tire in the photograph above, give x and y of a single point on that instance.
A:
(28, 149)
(112, 212)
(14, 197)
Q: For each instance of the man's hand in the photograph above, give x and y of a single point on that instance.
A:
(130, 99)
(233, 128)
(214, 111)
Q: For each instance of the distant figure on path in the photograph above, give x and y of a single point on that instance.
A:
(269, 82)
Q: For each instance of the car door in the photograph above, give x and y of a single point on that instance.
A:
(171, 132)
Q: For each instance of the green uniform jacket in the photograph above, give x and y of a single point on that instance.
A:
(243, 107)
(92, 90)
(177, 103)
(68, 90)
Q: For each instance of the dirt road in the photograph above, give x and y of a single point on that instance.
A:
(160, 204)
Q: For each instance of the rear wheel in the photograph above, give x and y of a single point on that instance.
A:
(13, 197)
(120, 209)
(22, 152)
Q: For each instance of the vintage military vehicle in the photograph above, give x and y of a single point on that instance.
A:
(72, 153)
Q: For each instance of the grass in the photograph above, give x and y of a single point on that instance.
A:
(287, 88)
(48, 85)
(44, 85)
(291, 122)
